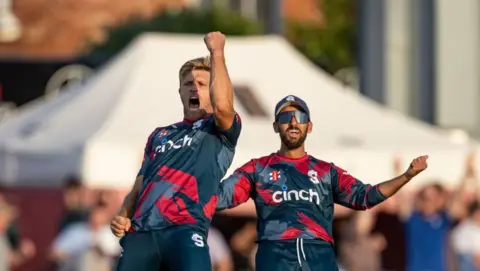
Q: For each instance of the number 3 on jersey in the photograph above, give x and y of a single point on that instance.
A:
(198, 240)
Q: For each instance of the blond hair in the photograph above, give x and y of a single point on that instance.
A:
(200, 63)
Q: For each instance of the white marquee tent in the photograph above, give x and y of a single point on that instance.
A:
(98, 130)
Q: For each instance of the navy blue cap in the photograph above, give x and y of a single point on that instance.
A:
(291, 100)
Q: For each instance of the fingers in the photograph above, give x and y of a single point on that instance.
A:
(420, 163)
(128, 225)
(118, 233)
(422, 158)
(119, 225)
(117, 229)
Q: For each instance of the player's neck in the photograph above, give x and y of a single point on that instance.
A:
(191, 118)
(292, 153)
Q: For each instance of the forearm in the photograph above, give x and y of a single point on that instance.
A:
(390, 187)
(129, 203)
(221, 89)
(224, 265)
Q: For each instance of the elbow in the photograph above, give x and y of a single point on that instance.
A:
(223, 110)
(224, 117)
(361, 207)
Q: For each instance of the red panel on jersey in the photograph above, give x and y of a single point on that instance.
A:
(186, 183)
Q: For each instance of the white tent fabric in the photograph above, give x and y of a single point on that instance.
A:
(98, 130)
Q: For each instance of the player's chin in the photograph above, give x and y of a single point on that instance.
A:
(196, 113)
(292, 144)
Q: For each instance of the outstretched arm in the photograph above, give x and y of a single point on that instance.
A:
(352, 193)
(237, 188)
(221, 89)
(389, 188)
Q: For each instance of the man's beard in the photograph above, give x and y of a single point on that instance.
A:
(293, 144)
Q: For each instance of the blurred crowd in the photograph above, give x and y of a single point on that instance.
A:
(432, 228)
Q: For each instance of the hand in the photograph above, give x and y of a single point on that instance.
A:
(215, 42)
(470, 165)
(27, 248)
(120, 225)
(418, 165)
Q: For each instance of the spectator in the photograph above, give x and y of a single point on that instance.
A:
(360, 250)
(6, 254)
(19, 249)
(76, 209)
(429, 226)
(86, 246)
(466, 241)
(23, 248)
(428, 229)
(244, 247)
(219, 251)
(389, 223)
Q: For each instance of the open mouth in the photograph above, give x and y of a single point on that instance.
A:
(194, 103)
(293, 132)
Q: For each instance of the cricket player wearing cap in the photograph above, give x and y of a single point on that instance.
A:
(294, 195)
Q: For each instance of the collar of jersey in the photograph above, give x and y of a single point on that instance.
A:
(190, 122)
(292, 160)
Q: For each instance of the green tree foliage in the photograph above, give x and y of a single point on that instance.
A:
(187, 21)
(331, 46)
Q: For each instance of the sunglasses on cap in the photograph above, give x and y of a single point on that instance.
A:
(286, 117)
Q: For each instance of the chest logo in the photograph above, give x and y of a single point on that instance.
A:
(274, 175)
(166, 144)
(313, 176)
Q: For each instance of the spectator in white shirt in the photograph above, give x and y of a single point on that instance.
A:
(466, 241)
(86, 245)
(219, 251)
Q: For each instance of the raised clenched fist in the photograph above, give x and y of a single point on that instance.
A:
(215, 42)
(119, 225)
(418, 165)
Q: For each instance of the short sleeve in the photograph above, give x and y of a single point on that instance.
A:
(230, 136)
(148, 153)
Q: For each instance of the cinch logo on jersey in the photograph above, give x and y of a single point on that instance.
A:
(296, 195)
(169, 144)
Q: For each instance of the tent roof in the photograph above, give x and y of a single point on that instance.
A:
(98, 130)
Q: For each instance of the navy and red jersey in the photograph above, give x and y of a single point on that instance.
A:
(182, 168)
(294, 198)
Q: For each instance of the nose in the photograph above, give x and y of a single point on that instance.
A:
(293, 120)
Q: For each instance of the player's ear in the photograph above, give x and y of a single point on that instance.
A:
(310, 127)
(275, 127)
